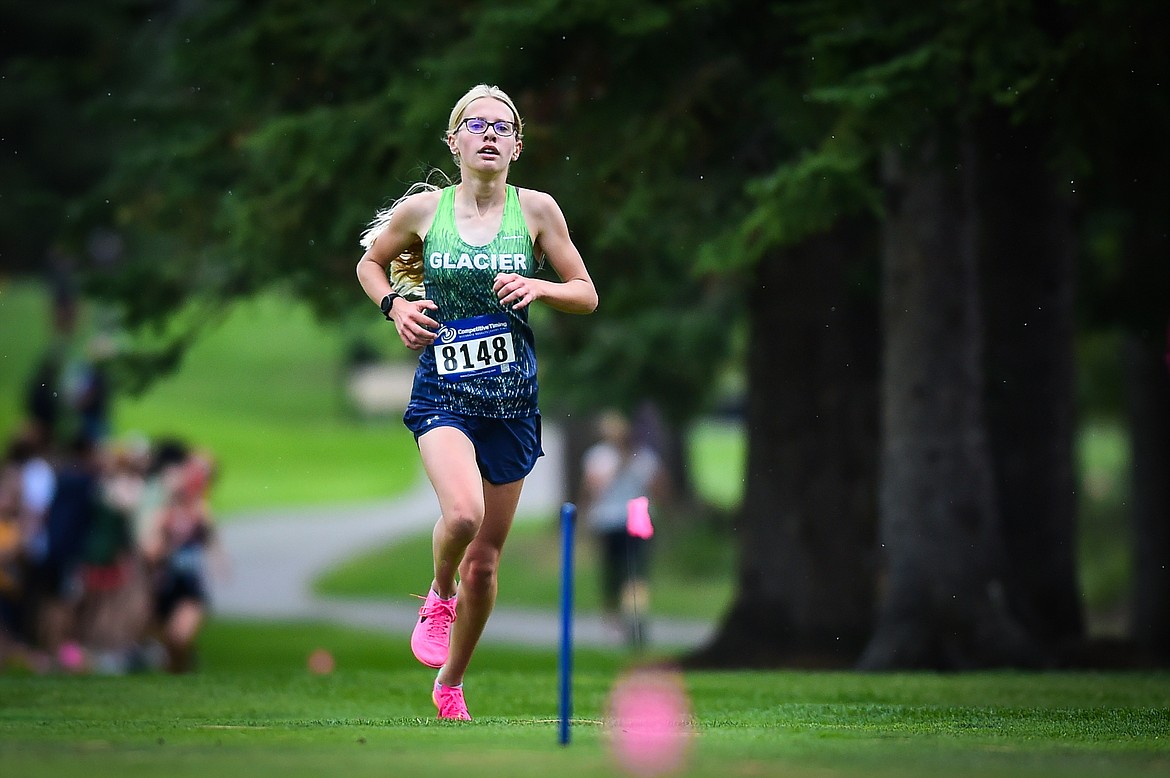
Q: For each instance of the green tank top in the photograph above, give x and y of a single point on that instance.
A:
(483, 362)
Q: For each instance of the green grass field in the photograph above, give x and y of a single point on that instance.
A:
(261, 390)
(254, 710)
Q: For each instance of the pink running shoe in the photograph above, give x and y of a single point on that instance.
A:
(449, 701)
(432, 635)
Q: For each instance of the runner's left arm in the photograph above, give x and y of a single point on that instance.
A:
(574, 291)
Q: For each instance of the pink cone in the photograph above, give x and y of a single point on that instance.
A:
(71, 657)
(649, 719)
(321, 662)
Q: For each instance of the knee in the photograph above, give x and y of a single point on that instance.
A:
(463, 522)
(478, 573)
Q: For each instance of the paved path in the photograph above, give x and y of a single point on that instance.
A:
(275, 556)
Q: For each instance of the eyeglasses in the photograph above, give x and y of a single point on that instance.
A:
(477, 126)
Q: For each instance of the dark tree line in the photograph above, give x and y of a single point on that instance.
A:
(899, 218)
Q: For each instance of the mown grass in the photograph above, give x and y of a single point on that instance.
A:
(261, 391)
(1104, 551)
(254, 710)
(530, 571)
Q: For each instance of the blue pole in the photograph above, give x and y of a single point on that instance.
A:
(568, 519)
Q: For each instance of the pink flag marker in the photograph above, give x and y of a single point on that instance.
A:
(638, 518)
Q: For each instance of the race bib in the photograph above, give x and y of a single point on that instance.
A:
(474, 347)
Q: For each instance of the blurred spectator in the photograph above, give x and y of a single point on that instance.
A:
(27, 485)
(42, 403)
(80, 582)
(99, 543)
(179, 539)
(64, 297)
(11, 573)
(616, 470)
(28, 451)
(115, 604)
(68, 396)
(86, 390)
(166, 460)
(56, 573)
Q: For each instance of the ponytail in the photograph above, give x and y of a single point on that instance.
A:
(406, 270)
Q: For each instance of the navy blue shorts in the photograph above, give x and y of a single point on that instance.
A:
(506, 450)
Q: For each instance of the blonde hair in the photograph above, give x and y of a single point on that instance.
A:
(406, 270)
(475, 93)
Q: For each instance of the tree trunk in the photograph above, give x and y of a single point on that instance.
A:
(805, 533)
(1148, 402)
(943, 604)
(1027, 257)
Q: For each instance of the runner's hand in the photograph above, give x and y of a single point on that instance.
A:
(415, 327)
(516, 291)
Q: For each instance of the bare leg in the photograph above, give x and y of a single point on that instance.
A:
(181, 629)
(449, 460)
(55, 622)
(477, 578)
(635, 610)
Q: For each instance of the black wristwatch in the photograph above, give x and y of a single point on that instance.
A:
(388, 303)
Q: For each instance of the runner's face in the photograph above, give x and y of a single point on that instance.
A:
(489, 151)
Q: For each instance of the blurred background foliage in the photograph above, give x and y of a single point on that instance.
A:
(179, 155)
(183, 154)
